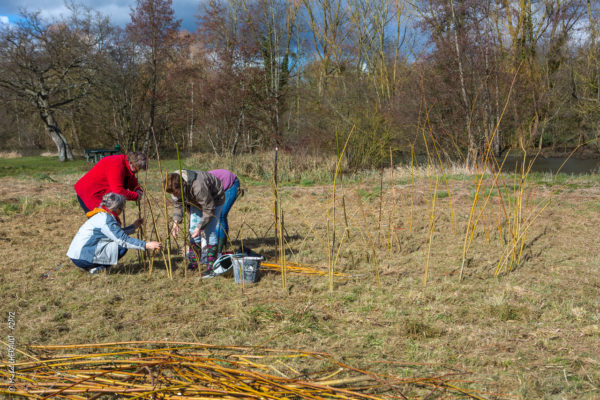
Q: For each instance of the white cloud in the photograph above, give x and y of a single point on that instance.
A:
(4, 19)
(116, 10)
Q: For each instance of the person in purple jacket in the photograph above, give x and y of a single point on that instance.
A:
(231, 186)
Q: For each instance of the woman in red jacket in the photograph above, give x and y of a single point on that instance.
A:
(111, 174)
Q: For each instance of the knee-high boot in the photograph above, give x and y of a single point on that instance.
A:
(211, 256)
(193, 256)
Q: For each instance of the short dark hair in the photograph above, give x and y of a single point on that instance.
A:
(138, 159)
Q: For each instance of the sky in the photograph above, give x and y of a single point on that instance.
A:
(116, 10)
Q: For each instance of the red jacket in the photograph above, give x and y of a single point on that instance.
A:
(110, 174)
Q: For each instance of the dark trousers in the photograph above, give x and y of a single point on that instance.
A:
(88, 265)
(82, 204)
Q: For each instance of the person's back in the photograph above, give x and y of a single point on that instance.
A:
(226, 177)
(110, 174)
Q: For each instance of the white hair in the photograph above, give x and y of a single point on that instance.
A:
(113, 201)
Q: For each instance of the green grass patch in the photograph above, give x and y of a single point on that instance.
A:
(41, 167)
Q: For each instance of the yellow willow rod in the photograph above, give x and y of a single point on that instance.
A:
(19, 351)
(431, 231)
(18, 376)
(337, 170)
(517, 249)
(500, 197)
(442, 168)
(394, 204)
(21, 392)
(519, 221)
(240, 374)
(85, 356)
(371, 244)
(281, 240)
(185, 227)
(311, 228)
(167, 244)
(519, 215)
(163, 185)
(234, 382)
(170, 388)
(412, 187)
(278, 215)
(509, 251)
(300, 270)
(523, 240)
(290, 353)
(480, 180)
(480, 216)
(515, 217)
(71, 386)
(162, 251)
(392, 219)
(337, 255)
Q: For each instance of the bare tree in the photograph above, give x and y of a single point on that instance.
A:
(49, 65)
(328, 20)
(154, 29)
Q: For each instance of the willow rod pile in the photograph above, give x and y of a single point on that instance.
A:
(182, 370)
(298, 268)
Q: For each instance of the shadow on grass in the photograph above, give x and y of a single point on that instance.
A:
(270, 243)
(140, 268)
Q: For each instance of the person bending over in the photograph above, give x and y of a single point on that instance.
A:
(204, 198)
(111, 174)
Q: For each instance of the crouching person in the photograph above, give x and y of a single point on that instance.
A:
(101, 242)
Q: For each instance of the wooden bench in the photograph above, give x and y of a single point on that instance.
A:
(98, 154)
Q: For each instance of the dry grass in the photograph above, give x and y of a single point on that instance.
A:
(531, 333)
(9, 154)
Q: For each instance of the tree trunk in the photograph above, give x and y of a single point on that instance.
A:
(473, 150)
(52, 129)
(64, 150)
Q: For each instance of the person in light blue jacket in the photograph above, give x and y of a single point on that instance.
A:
(101, 242)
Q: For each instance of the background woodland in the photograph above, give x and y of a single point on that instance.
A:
(460, 75)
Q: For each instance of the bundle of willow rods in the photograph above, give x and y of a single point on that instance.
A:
(297, 268)
(182, 370)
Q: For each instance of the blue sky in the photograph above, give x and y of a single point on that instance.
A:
(117, 10)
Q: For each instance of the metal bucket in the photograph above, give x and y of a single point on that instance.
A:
(250, 267)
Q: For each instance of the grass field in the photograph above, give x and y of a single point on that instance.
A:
(531, 333)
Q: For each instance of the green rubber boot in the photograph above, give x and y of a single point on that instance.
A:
(221, 245)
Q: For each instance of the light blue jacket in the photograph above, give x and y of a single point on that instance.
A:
(99, 238)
